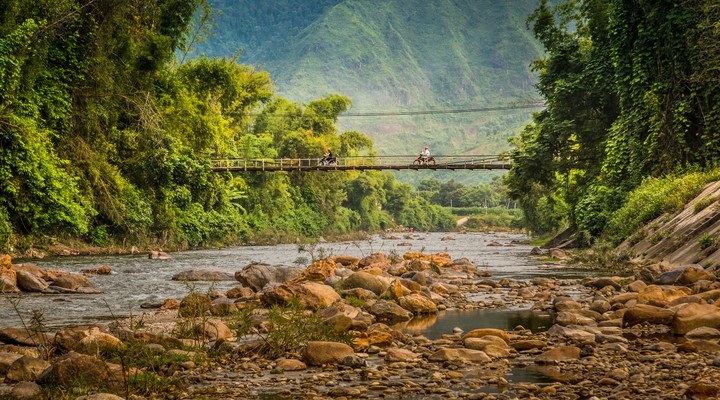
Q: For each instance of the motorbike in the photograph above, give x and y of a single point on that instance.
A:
(424, 161)
(328, 161)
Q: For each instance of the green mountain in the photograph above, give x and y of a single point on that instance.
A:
(395, 55)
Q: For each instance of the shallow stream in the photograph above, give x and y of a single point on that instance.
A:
(136, 279)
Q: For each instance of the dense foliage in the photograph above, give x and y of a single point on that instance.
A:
(396, 55)
(105, 136)
(633, 92)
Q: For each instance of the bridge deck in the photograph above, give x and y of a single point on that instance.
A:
(473, 162)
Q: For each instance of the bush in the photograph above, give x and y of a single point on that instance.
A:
(706, 241)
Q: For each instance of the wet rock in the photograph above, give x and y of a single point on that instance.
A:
(71, 281)
(26, 391)
(28, 282)
(257, 276)
(159, 255)
(693, 316)
(417, 304)
(320, 353)
(368, 281)
(25, 368)
(562, 353)
(104, 270)
(203, 275)
(646, 313)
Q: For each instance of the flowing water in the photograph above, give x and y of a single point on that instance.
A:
(136, 279)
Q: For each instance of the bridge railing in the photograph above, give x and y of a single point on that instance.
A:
(378, 161)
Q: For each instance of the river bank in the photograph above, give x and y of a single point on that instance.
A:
(611, 337)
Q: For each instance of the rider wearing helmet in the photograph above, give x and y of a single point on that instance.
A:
(425, 155)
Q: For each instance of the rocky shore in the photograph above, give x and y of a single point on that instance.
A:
(335, 330)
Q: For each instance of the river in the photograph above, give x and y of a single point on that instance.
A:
(136, 279)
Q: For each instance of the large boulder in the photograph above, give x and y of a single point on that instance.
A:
(206, 275)
(71, 281)
(693, 316)
(28, 282)
(684, 275)
(257, 276)
(640, 313)
(365, 280)
(75, 367)
(6, 359)
(68, 339)
(375, 260)
(312, 295)
(320, 353)
(417, 304)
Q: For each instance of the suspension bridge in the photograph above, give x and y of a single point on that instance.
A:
(366, 163)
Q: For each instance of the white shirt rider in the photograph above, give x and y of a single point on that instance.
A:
(426, 153)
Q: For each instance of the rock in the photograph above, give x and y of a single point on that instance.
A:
(571, 318)
(528, 344)
(376, 259)
(75, 367)
(6, 359)
(28, 282)
(170, 304)
(97, 342)
(646, 313)
(479, 333)
(364, 280)
(684, 275)
(194, 305)
(623, 298)
(8, 282)
(417, 304)
(23, 337)
(389, 311)
(574, 333)
(693, 316)
(26, 391)
(71, 281)
(159, 255)
(347, 261)
(104, 270)
(69, 339)
(26, 368)
(320, 353)
(290, 364)
(536, 251)
(354, 361)
(703, 332)
(567, 305)
(215, 329)
(459, 354)
(257, 276)
(562, 353)
(239, 292)
(636, 286)
(400, 355)
(101, 396)
(437, 260)
(318, 271)
(310, 294)
(603, 282)
(702, 392)
(203, 275)
(493, 346)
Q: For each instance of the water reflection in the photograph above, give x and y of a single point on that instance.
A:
(434, 326)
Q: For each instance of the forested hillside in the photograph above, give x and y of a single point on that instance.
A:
(105, 137)
(633, 103)
(396, 55)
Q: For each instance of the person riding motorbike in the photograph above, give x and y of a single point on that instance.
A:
(327, 158)
(425, 154)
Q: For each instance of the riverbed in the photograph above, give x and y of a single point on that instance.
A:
(136, 279)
